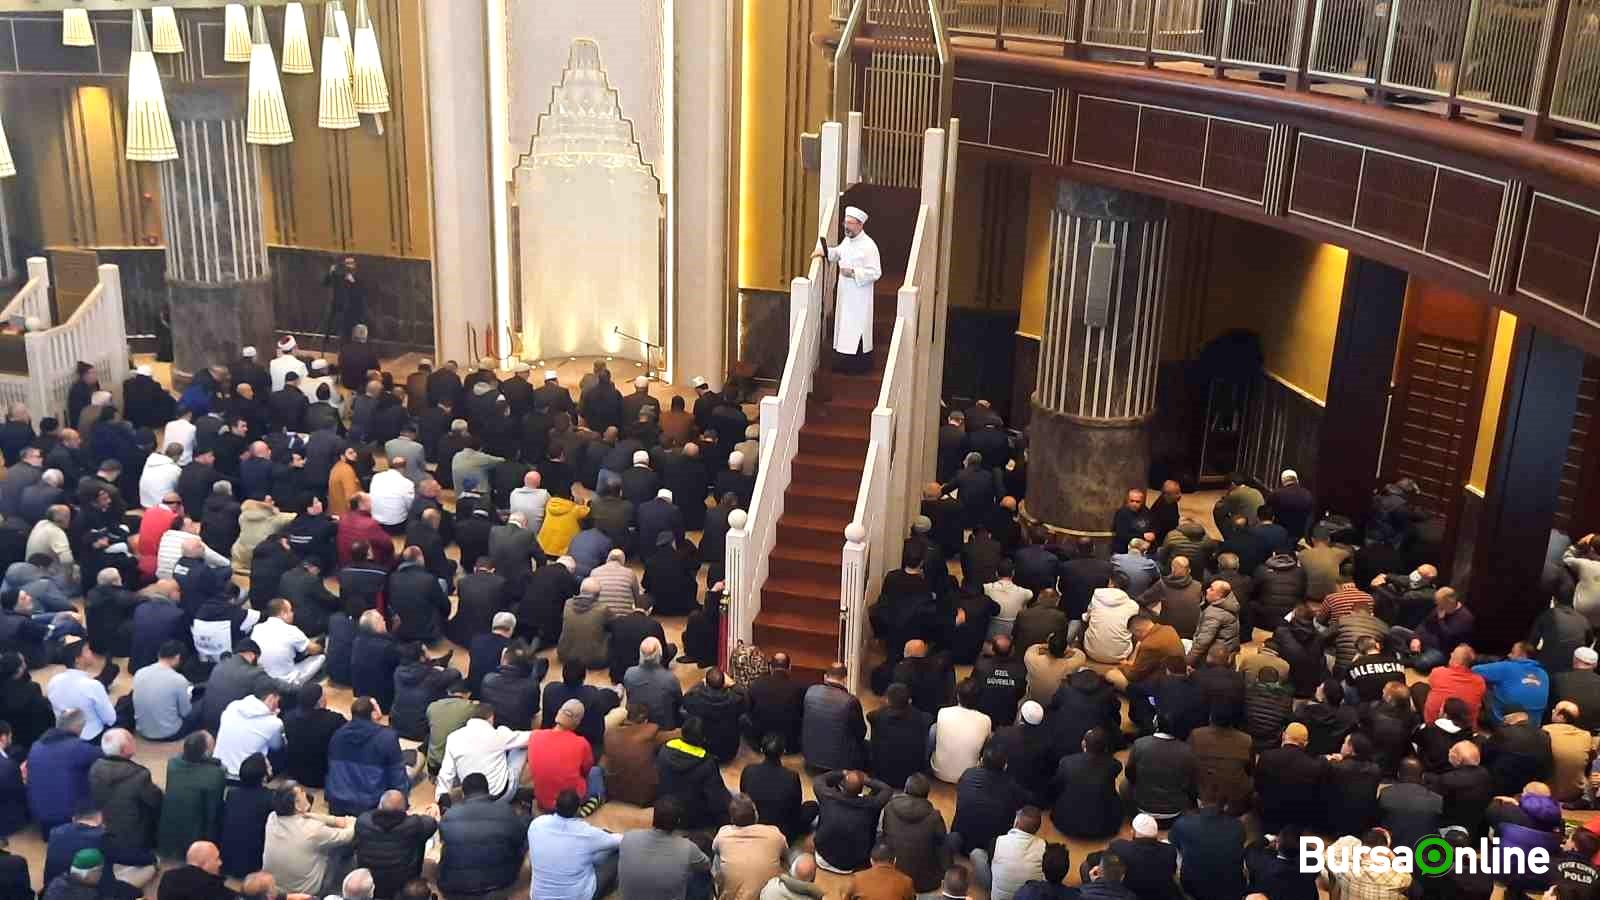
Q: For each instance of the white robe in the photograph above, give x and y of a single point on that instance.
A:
(852, 317)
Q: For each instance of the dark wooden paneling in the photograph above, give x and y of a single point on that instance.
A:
(1166, 145)
(1282, 430)
(971, 102)
(978, 362)
(144, 286)
(1559, 254)
(1104, 133)
(1465, 210)
(39, 48)
(1025, 375)
(399, 296)
(1236, 159)
(1576, 509)
(1395, 196)
(764, 331)
(1021, 120)
(1325, 178)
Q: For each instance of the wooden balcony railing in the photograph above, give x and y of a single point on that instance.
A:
(1527, 64)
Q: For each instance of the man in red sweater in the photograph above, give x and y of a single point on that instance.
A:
(559, 758)
(1455, 680)
(359, 525)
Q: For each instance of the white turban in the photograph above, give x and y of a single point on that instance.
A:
(857, 213)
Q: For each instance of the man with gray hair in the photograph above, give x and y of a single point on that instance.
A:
(130, 804)
(37, 498)
(561, 759)
(390, 841)
(796, 884)
(359, 885)
(1141, 570)
(620, 590)
(49, 535)
(652, 684)
(514, 547)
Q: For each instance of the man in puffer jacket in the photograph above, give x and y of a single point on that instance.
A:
(1176, 599)
(1189, 540)
(833, 730)
(364, 760)
(129, 801)
(1106, 637)
(1268, 703)
(915, 829)
(513, 689)
(1278, 584)
(390, 843)
(847, 825)
(1219, 622)
(685, 769)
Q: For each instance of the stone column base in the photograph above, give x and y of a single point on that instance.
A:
(212, 322)
(1080, 470)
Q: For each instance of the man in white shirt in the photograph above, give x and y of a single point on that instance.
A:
(392, 493)
(180, 431)
(285, 362)
(1010, 596)
(1018, 857)
(175, 544)
(498, 753)
(160, 475)
(283, 645)
(530, 500)
(249, 726)
(959, 733)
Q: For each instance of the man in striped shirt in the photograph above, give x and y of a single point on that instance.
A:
(1346, 597)
(620, 590)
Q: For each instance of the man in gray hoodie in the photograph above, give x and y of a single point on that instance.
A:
(1106, 637)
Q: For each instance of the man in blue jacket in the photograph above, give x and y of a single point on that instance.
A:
(1518, 681)
(364, 760)
(58, 771)
(484, 841)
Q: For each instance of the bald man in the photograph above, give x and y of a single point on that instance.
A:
(199, 879)
(390, 842)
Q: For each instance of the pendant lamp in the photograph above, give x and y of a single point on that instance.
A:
(296, 42)
(149, 127)
(164, 35)
(336, 107)
(266, 118)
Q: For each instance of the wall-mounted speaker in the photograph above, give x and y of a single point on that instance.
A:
(1097, 295)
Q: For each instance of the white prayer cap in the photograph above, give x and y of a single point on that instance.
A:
(143, 370)
(550, 375)
(641, 458)
(664, 494)
(485, 363)
(1144, 825)
(286, 344)
(569, 562)
(522, 367)
(753, 432)
(735, 459)
(1289, 476)
(425, 362)
(319, 365)
(1585, 655)
(641, 382)
(857, 213)
(1032, 712)
(481, 388)
(698, 381)
(248, 353)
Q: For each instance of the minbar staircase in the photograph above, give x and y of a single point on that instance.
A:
(800, 600)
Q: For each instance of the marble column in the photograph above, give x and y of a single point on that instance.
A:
(1096, 385)
(219, 288)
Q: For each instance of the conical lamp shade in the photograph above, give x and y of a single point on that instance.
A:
(296, 43)
(8, 166)
(267, 118)
(75, 28)
(337, 108)
(164, 36)
(236, 46)
(342, 23)
(367, 82)
(149, 127)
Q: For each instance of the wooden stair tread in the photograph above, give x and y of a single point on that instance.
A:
(809, 555)
(803, 587)
(790, 621)
(814, 522)
(824, 492)
(836, 428)
(831, 461)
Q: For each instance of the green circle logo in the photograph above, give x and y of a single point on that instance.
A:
(1434, 856)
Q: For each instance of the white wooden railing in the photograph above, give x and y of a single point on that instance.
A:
(94, 333)
(752, 532)
(890, 482)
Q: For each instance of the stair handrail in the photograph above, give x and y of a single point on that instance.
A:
(95, 333)
(33, 298)
(752, 533)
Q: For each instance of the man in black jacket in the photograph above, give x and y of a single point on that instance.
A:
(417, 599)
(307, 730)
(484, 842)
(513, 689)
(685, 769)
(777, 701)
(987, 801)
(850, 804)
(719, 707)
(390, 843)
(313, 602)
(312, 534)
(1288, 780)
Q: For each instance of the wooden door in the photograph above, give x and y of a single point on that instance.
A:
(1440, 371)
(73, 274)
(1578, 500)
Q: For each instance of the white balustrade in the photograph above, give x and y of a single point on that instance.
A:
(95, 333)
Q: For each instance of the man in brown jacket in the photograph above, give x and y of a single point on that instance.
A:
(881, 880)
(1156, 647)
(630, 759)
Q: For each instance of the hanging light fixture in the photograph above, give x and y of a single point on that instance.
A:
(75, 28)
(8, 166)
(370, 88)
(164, 35)
(343, 24)
(296, 43)
(267, 118)
(337, 108)
(236, 44)
(149, 128)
